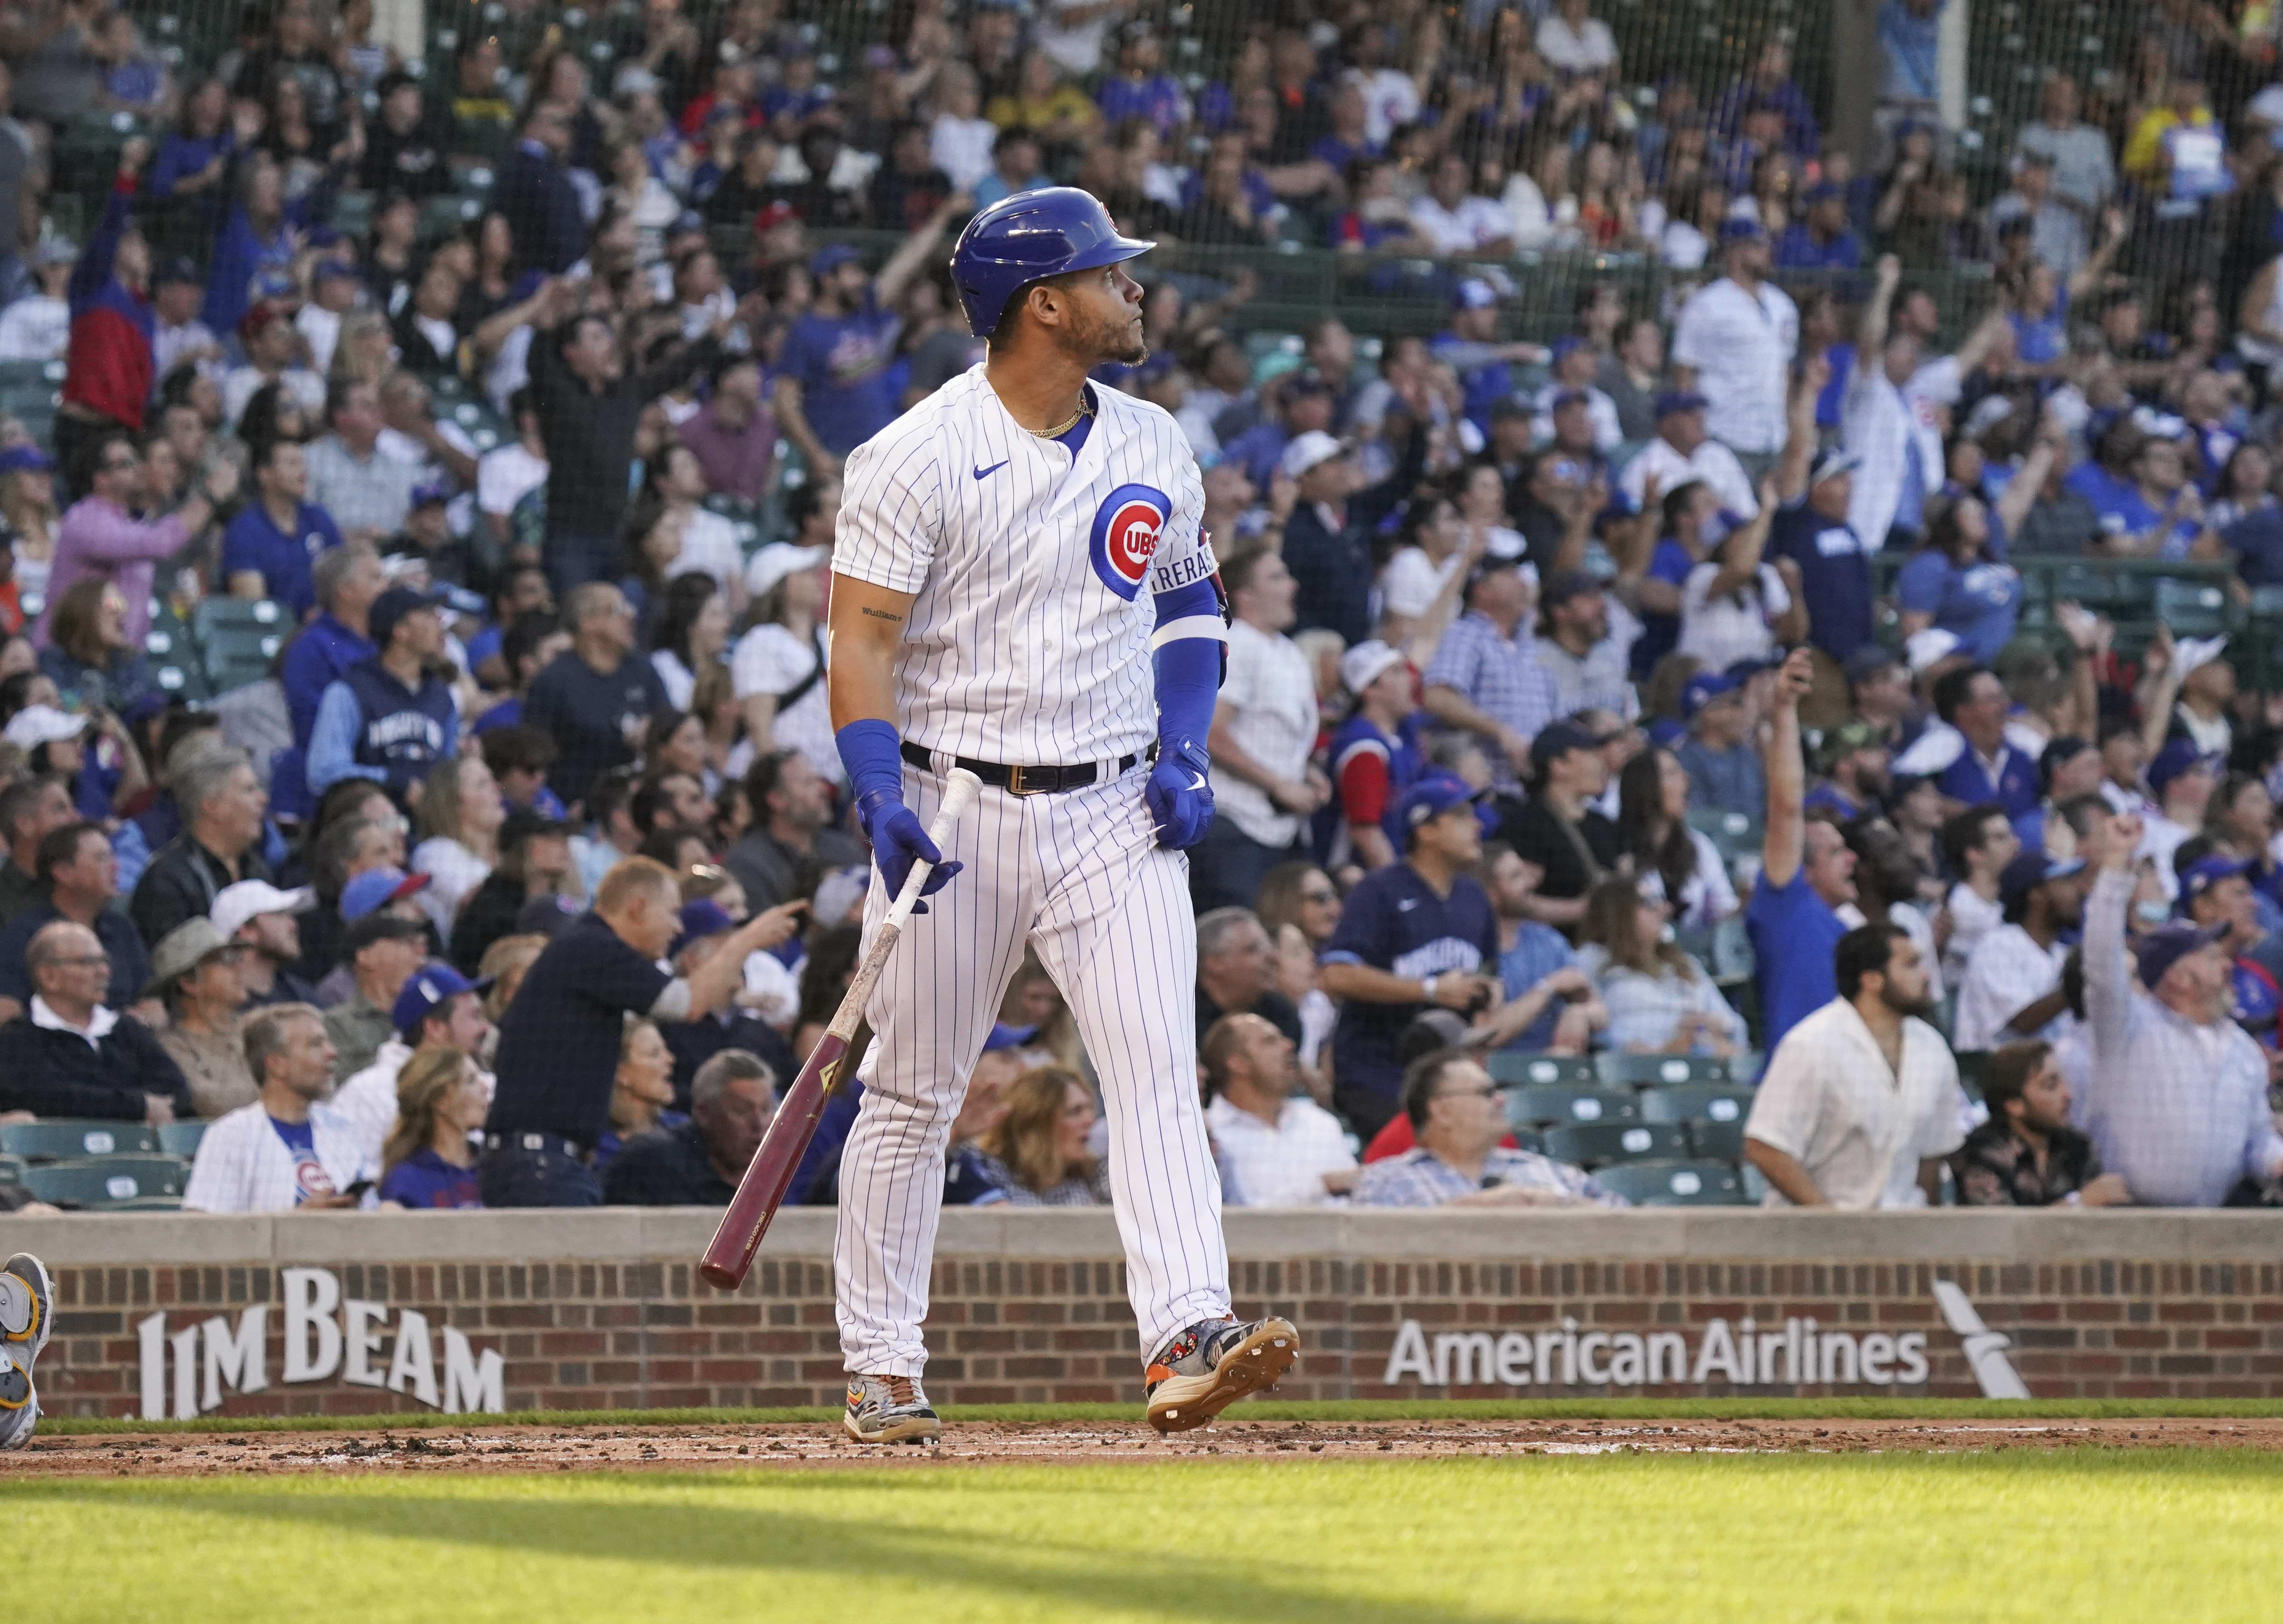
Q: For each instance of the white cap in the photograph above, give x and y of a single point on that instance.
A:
(778, 560)
(1305, 451)
(1925, 649)
(2267, 106)
(1366, 663)
(234, 905)
(37, 725)
(2191, 654)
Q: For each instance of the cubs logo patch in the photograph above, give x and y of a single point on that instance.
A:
(1125, 530)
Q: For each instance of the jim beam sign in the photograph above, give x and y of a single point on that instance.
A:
(1745, 1354)
(324, 1339)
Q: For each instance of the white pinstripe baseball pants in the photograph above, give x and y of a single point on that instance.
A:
(1081, 875)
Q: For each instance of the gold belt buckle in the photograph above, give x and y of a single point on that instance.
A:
(1014, 785)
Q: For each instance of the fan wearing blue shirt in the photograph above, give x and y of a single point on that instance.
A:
(1820, 239)
(835, 384)
(267, 549)
(1806, 874)
(1415, 936)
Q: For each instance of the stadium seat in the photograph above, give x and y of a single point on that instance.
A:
(214, 613)
(2193, 609)
(1591, 1144)
(72, 1138)
(1571, 1071)
(108, 1181)
(236, 655)
(1695, 1102)
(1675, 1184)
(1640, 1070)
(1721, 1141)
(1526, 1107)
(181, 1138)
(1731, 833)
(12, 1170)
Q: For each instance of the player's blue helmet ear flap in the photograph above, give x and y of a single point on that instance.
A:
(1026, 237)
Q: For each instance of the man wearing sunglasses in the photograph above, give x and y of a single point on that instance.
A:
(69, 1055)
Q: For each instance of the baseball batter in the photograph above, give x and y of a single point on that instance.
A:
(1022, 589)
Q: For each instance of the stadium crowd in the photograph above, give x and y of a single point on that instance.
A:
(1565, 711)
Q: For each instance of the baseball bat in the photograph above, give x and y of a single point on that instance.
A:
(760, 1191)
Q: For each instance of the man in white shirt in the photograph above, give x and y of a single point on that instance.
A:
(1574, 43)
(1683, 451)
(506, 474)
(368, 492)
(439, 1008)
(1457, 221)
(1278, 1147)
(37, 327)
(289, 1149)
(2182, 778)
(1264, 731)
(1733, 345)
(1979, 844)
(1858, 1105)
(2013, 986)
(1896, 406)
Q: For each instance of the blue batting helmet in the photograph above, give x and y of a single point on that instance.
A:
(1028, 237)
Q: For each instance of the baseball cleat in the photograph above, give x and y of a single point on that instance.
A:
(890, 1410)
(1209, 1367)
(26, 1300)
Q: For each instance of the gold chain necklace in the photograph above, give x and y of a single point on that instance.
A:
(1067, 424)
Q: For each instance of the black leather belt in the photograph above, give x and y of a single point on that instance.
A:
(1019, 781)
(554, 1142)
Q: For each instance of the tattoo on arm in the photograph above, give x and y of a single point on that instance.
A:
(880, 614)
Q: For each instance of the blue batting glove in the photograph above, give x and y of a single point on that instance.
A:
(898, 841)
(1180, 794)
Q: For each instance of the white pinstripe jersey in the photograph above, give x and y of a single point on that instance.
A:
(1029, 642)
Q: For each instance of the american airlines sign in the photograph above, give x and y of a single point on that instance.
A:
(1739, 1353)
(324, 1339)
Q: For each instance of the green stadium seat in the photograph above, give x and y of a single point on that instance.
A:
(1570, 1070)
(1566, 1105)
(1675, 1184)
(2192, 608)
(12, 1170)
(1591, 1144)
(72, 1138)
(236, 655)
(260, 614)
(1720, 1141)
(1640, 1070)
(1732, 833)
(108, 1181)
(1970, 1062)
(181, 1138)
(1695, 1102)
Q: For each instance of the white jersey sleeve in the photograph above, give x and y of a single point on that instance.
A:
(891, 512)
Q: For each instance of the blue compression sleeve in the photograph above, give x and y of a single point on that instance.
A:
(1189, 643)
(868, 749)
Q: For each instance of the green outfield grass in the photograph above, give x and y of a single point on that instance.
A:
(2155, 1535)
(1334, 1409)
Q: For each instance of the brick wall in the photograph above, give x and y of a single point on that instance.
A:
(604, 1309)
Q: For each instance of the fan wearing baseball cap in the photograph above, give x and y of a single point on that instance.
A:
(1810, 528)
(1413, 935)
(391, 718)
(437, 1008)
(1372, 761)
(2176, 1102)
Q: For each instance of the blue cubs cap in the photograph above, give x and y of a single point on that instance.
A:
(2204, 873)
(1558, 739)
(1473, 294)
(830, 258)
(1568, 397)
(699, 920)
(431, 987)
(1741, 229)
(1674, 401)
(2178, 756)
(390, 608)
(2166, 946)
(1428, 797)
(377, 888)
(1567, 346)
(432, 493)
(2030, 868)
(178, 268)
(1006, 1036)
(1703, 688)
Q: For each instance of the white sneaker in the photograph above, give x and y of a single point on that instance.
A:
(27, 1309)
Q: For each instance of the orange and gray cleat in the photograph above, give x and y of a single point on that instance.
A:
(1209, 1367)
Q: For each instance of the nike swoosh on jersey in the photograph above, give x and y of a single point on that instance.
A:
(984, 473)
